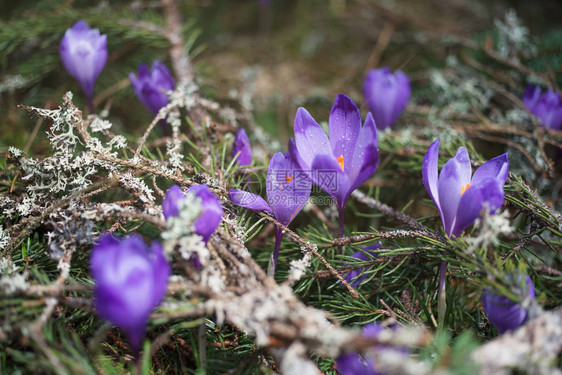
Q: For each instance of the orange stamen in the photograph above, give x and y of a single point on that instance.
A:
(340, 161)
(464, 188)
(288, 179)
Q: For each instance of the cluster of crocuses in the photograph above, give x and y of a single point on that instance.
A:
(131, 279)
(83, 52)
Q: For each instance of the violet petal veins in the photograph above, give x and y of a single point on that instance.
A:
(131, 280)
(459, 196)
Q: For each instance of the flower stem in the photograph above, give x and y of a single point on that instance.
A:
(341, 211)
(442, 296)
(91, 105)
(275, 255)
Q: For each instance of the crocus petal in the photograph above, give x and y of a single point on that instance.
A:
(450, 190)
(329, 176)
(310, 138)
(531, 96)
(403, 93)
(344, 125)
(497, 168)
(211, 211)
(288, 187)
(354, 364)
(430, 173)
(365, 159)
(465, 169)
(171, 200)
(504, 313)
(472, 203)
(248, 200)
(242, 149)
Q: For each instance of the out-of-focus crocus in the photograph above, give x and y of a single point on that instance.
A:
(459, 196)
(355, 364)
(288, 188)
(362, 255)
(151, 85)
(342, 162)
(386, 95)
(241, 150)
(546, 106)
(211, 208)
(83, 52)
(504, 313)
(131, 281)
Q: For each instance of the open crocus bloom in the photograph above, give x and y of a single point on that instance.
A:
(131, 280)
(504, 313)
(459, 196)
(345, 160)
(83, 52)
(288, 188)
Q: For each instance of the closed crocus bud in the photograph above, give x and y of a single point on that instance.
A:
(241, 149)
(151, 85)
(504, 313)
(211, 208)
(83, 52)
(131, 280)
(546, 106)
(386, 95)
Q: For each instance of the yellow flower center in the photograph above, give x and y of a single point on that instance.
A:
(464, 188)
(340, 161)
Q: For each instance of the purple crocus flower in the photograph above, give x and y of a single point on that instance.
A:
(211, 208)
(288, 188)
(151, 85)
(459, 196)
(348, 158)
(386, 95)
(83, 52)
(131, 280)
(355, 364)
(504, 313)
(362, 255)
(546, 106)
(241, 150)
